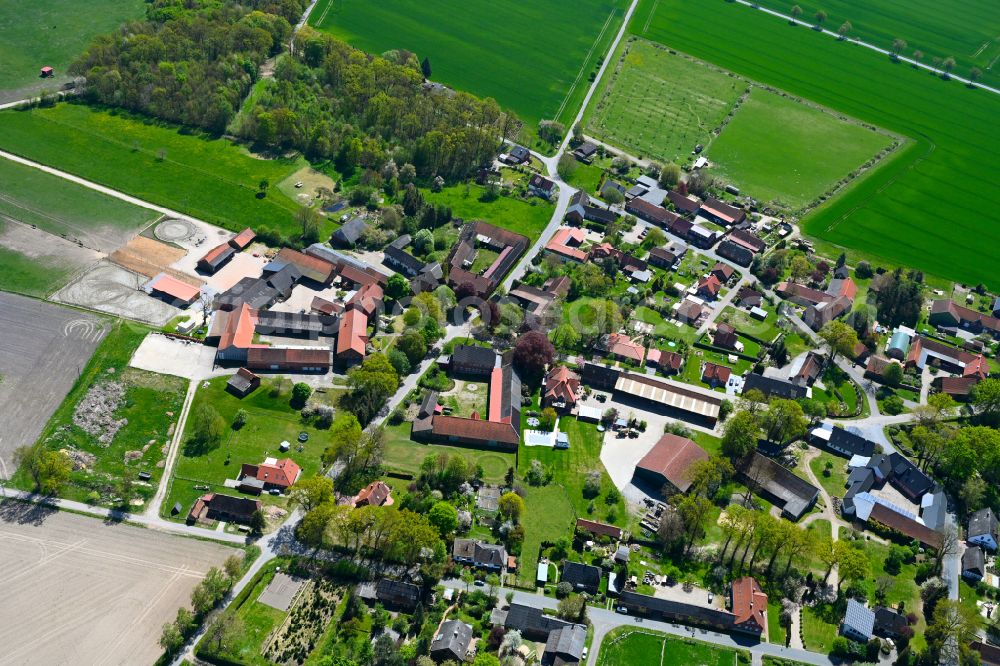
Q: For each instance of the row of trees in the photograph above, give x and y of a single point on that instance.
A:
(206, 596)
(384, 533)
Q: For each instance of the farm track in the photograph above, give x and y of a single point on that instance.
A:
(878, 49)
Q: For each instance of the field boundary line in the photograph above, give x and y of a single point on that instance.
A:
(940, 72)
(649, 19)
(586, 60)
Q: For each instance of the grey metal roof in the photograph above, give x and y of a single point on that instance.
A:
(974, 559)
(567, 642)
(983, 522)
(859, 618)
(532, 622)
(454, 637)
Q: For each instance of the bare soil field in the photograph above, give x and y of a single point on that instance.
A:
(43, 348)
(81, 591)
(112, 289)
(150, 257)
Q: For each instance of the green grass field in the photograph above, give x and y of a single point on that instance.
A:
(32, 276)
(549, 515)
(969, 31)
(570, 468)
(211, 179)
(34, 34)
(924, 208)
(660, 105)
(151, 405)
(404, 455)
(626, 646)
(533, 58)
(59, 207)
(527, 218)
(271, 420)
(770, 147)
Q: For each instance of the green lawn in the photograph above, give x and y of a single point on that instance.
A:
(211, 179)
(835, 482)
(549, 515)
(626, 646)
(151, 406)
(659, 104)
(927, 188)
(34, 34)
(775, 632)
(259, 620)
(485, 47)
(634, 649)
(586, 177)
(818, 629)
(770, 148)
(570, 467)
(527, 218)
(968, 32)
(271, 420)
(404, 455)
(484, 259)
(33, 276)
(59, 206)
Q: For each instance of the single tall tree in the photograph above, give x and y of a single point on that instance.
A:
(425, 68)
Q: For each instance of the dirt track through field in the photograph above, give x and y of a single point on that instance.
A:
(80, 591)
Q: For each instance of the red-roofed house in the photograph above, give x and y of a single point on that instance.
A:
(715, 375)
(669, 461)
(802, 295)
(565, 243)
(668, 362)
(352, 337)
(560, 387)
(312, 268)
(623, 347)
(722, 272)
(233, 330)
(749, 605)
(924, 350)
(289, 359)
(279, 474)
(216, 258)
(376, 493)
(951, 314)
(709, 286)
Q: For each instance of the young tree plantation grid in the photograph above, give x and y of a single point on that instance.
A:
(579, 333)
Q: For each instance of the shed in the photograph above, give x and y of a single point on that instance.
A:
(46, 72)
(542, 576)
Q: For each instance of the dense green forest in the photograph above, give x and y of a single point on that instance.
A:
(333, 101)
(195, 61)
(190, 61)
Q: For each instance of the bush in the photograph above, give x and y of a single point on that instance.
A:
(300, 394)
